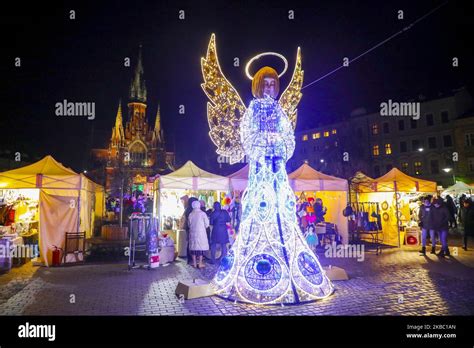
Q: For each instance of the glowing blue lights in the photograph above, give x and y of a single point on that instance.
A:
(270, 261)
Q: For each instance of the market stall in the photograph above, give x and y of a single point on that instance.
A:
(239, 179)
(395, 197)
(309, 183)
(458, 189)
(188, 180)
(50, 199)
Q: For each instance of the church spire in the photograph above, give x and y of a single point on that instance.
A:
(158, 120)
(157, 132)
(117, 131)
(137, 87)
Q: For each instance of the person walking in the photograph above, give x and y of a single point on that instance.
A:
(425, 222)
(468, 220)
(198, 243)
(219, 235)
(440, 219)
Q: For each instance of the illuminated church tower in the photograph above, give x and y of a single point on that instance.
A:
(136, 150)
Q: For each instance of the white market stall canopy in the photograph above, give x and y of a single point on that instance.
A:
(458, 188)
(239, 179)
(306, 178)
(66, 200)
(191, 177)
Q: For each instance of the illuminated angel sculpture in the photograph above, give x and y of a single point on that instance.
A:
(270, 262)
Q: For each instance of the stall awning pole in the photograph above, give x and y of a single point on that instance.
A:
(396, 206)
(79, 205)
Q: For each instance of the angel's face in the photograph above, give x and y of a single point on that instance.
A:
(269, 87)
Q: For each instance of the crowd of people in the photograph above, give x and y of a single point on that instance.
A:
(437, 216)
(205, 230)
(136, 202)
(208, 230)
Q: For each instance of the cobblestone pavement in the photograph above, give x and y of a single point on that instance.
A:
(397, 282)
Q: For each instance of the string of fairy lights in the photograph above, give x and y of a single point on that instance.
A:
(406, 28)
(270, 262)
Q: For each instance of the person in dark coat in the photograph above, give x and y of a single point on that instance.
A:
(425, 223)
(468, 220)
(319, 210)
(219, 235)
(440, 218)
(462, 210)
(452, 211)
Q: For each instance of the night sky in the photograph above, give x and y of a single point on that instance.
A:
(81, 60)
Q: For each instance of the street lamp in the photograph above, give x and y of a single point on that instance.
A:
(447, 170)
(420, 149)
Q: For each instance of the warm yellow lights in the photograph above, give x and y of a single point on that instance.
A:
(290, 98)
(258, 56)
(375, 150)
(225, 108)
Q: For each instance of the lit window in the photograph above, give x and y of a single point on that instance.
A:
(334, 131)
(316, 135)
(417, 166)
(305, 137)
(375, 129)
(388, 149)
(375, 150)
(326, 134)
(405, 167)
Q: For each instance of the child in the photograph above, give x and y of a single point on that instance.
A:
(311, 238)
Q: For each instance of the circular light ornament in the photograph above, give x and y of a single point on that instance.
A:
(258, 56)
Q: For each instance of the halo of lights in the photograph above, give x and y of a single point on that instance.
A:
(226, 108)
(258, 56)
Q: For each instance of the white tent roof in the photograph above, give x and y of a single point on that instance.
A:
(459, 187)
(191, 177)
(306, 178)
(239, 179)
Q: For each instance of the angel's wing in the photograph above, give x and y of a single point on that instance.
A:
(290, 98)
(225, 108)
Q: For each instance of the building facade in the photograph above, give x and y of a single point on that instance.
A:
(136, 151)
(438, 145)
